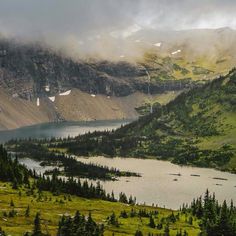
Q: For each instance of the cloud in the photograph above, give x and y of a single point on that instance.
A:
(86, 22)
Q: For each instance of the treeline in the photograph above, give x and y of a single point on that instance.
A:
(69, 226)
(72, 186)
(155, 222)
(79, 225)
(180, 149)
(216, 219)
(76, 187)
(71, 167)
(11, 170)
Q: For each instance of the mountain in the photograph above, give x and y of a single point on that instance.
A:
(30, 71)
(199, 53)
(197, 128)
(41, 84)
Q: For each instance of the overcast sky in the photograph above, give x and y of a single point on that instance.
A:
(61, 20)
(35, 17)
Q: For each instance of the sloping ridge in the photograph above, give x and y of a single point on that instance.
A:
(197, 128)
(211, 101)
(15, 113)
(77, 106)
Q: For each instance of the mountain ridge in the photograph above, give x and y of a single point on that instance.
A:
(36, 74)
(197, 128)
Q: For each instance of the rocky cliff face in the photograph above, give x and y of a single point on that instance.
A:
(30, 71)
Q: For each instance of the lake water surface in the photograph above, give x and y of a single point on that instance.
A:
(161, 183)
(166, 184)
(62, 129)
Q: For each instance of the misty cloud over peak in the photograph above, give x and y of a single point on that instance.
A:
(88, 25)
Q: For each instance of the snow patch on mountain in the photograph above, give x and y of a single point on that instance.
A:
(52, 98)
(65, 93)
(38, 102)
(176, 52)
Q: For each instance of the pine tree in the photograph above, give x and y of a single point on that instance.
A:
(2, 233)
(112, 220)
(151, 222)
(185, 233)
(138, 233)
(179, 233)
(223, 225)
(79, 225)
(37, 226)
(190, 220)
(217, 220)
(12, 203)
(27, 212)
(167, 230)
(123, 214)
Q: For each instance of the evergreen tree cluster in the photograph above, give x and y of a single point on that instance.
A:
(79, 225)
(123, 198)
(140, 213)
(11, 170)
(35, 150)
(216, 219)
(76, 187)
(154, 222)
(72, 186)
(113, 220)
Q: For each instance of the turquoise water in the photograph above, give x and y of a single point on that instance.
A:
(63, 129)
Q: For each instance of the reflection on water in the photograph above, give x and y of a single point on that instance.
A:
(63, 129)
(164, 183)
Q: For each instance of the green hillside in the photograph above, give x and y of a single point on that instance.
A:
(34, 205)
(25, 195)
(197, 128)
(52, 208)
